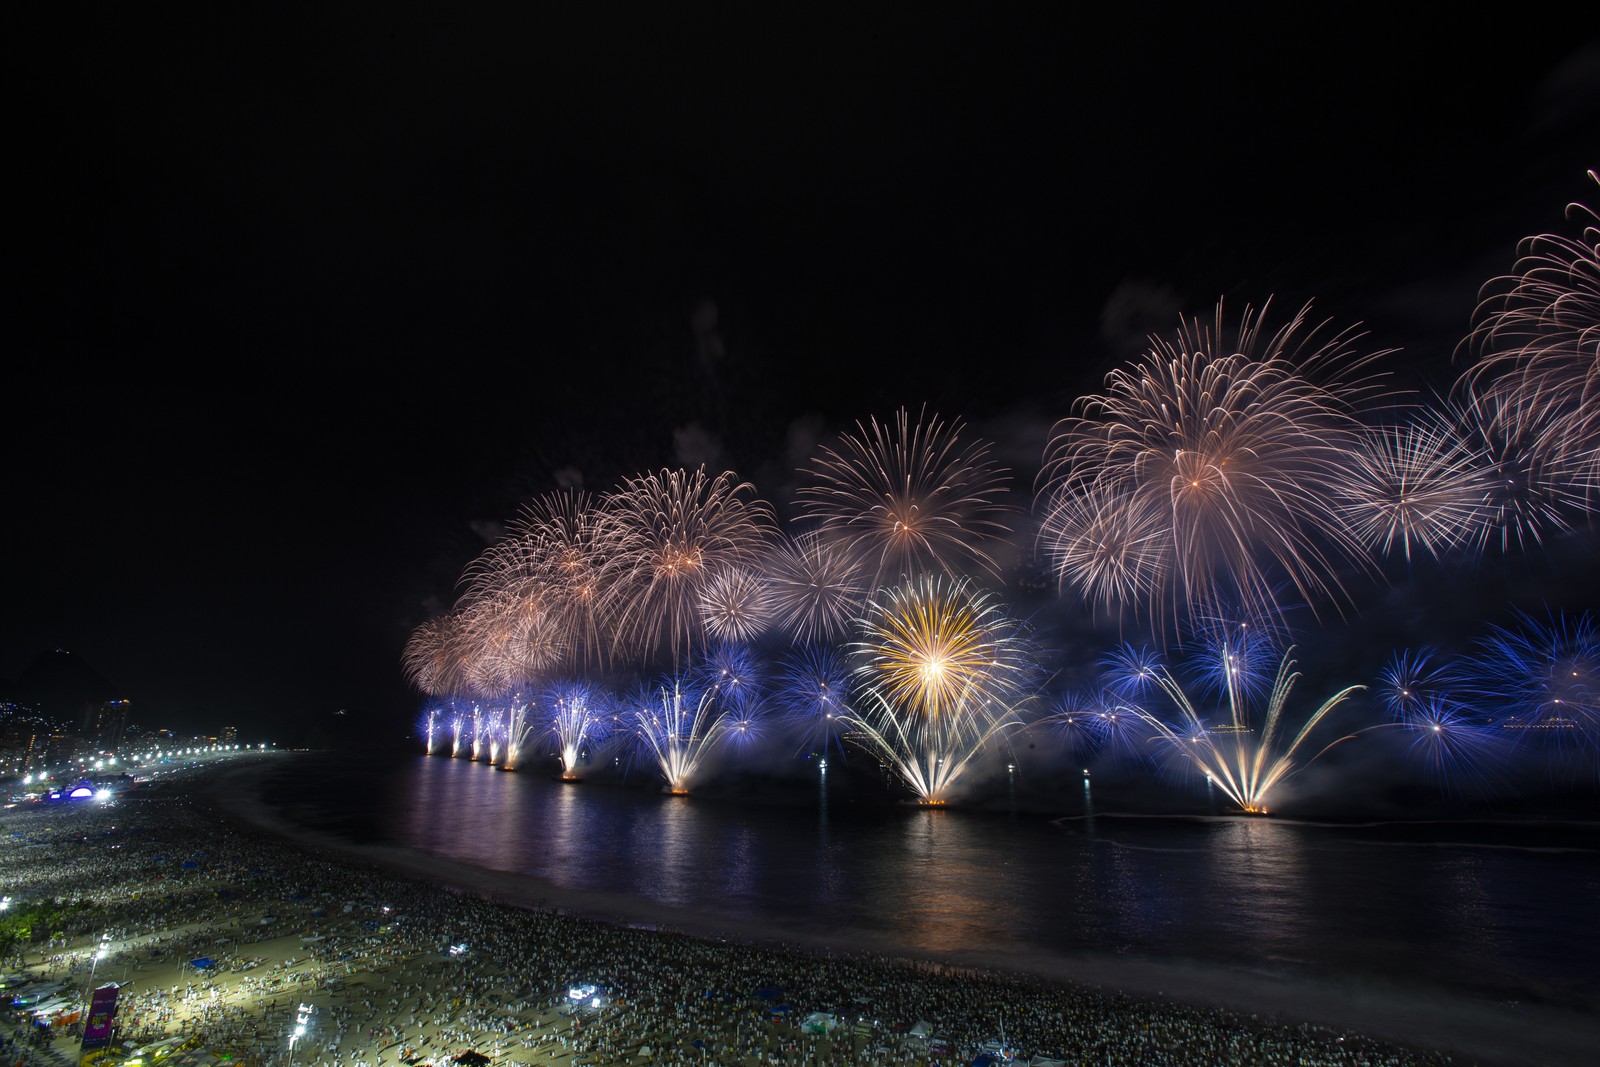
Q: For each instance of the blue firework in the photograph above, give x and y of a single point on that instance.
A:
(1456, 749)
(1412, 680)
(1072, 719)
(813, 697)
(737, 675)
(1539, 680)
(1130, 671)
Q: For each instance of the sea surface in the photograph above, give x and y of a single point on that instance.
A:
(1461, 913)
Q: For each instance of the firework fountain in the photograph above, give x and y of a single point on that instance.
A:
(579, 719)
(1246, 759)
(679, 727)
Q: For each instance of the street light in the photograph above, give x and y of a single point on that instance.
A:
(99, 954)
(301, 1020)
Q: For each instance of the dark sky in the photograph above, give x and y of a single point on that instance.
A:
(298, 307)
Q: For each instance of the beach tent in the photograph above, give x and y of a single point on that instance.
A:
(819, 1022)
(202, 963)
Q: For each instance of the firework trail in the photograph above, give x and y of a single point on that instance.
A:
(817, 589)
(1245, 759)
(679, 728)
(906, 498)
(1210, 468)
(941, 669)
(1537, 332)
(673, 534)
(478, 730)
(430, 724)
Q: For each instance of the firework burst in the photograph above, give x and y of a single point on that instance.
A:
(1529, 490)
(942, 670)
(1415, 679)
(513, 638)
(817, 589)
(1540, 680)
(1537, 332)
(562, 542)
(673, 534)
(1457, 749)
(1420, 485)
(1210, 465)
(814, 698)
(905, 498)
(736, 605)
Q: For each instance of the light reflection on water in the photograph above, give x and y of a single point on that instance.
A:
(1472, 906)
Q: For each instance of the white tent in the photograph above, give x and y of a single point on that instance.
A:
(819, 1022)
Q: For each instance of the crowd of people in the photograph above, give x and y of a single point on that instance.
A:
(230, 940)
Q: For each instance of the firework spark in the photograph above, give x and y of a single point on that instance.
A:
(814, 698)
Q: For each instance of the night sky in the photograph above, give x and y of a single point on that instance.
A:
(299, 310)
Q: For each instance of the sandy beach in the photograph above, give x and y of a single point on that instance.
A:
(359, 942)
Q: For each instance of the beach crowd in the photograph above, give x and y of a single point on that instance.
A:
(233, 945)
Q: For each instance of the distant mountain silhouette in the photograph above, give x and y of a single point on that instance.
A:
(59, 685)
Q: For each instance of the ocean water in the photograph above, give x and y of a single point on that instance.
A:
(1480, 911)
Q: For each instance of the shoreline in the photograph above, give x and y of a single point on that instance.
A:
(331, 945)
(1477, 1030)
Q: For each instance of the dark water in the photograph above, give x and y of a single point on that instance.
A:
(1497, 911)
